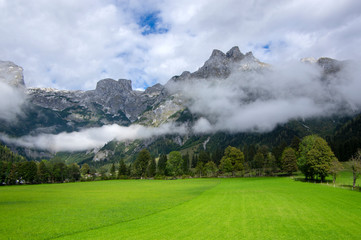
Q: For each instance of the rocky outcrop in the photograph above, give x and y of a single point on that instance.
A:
(116, 99)
(11, 74)
(221, 65)
(329, 65)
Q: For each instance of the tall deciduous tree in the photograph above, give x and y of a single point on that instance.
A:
(315, 157)
(355, 165)
(174, 164)
(226, 165)
(142, 162)
(289, 160)
(85, 169)
(270, 164)
(210, 169)
(232, 160)
(335, 167)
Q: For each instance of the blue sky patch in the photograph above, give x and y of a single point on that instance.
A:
(152, 24)
(266, 47)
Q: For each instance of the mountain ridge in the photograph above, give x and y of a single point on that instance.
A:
(53, 111)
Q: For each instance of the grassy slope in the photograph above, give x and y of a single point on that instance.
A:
(47, 211)
(254, 208)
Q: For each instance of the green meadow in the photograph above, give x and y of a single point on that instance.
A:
(231, 208)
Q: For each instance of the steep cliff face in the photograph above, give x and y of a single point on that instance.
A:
(111, 102)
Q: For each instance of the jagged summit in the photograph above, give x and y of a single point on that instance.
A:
(217, 53)
(220, 65)
(235, 54)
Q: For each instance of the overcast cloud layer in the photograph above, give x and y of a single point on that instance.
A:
(70, 44)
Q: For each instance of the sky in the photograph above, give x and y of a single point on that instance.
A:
(69, 44)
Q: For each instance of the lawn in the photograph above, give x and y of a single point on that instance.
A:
(240, 208)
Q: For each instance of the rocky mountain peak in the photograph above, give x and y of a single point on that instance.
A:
(110, 86)
(11, 74)
(217, 54)
(250, 55)
(156, 89)
(235, 54)
(221, 64)
(329, 65)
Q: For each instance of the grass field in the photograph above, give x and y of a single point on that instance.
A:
(243, 208)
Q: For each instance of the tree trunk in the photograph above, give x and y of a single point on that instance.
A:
(354, 181)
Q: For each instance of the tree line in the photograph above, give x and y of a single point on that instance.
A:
(31, 172)
(311, 155)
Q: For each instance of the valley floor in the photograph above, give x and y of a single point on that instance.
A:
(234, 208)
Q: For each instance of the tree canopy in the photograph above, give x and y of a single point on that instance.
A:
(232, 160)
(289, 160)
(142, 162)
(315, 157)
(175, 164)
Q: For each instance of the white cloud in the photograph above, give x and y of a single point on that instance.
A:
(92, 137)
(259, 101)
(12, 100)
(72, 44)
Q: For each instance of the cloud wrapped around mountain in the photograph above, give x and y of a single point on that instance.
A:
(92, 137)
(260, 100)
(247, 101)
(11, 101)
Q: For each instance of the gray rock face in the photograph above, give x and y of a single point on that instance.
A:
(221, 65)
(11, 74)
(235, 54)
(54, 99)
(111, 97)
(116, 102)
(218, 65)
(329, 65)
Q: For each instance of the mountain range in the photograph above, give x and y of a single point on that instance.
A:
(52, 111)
